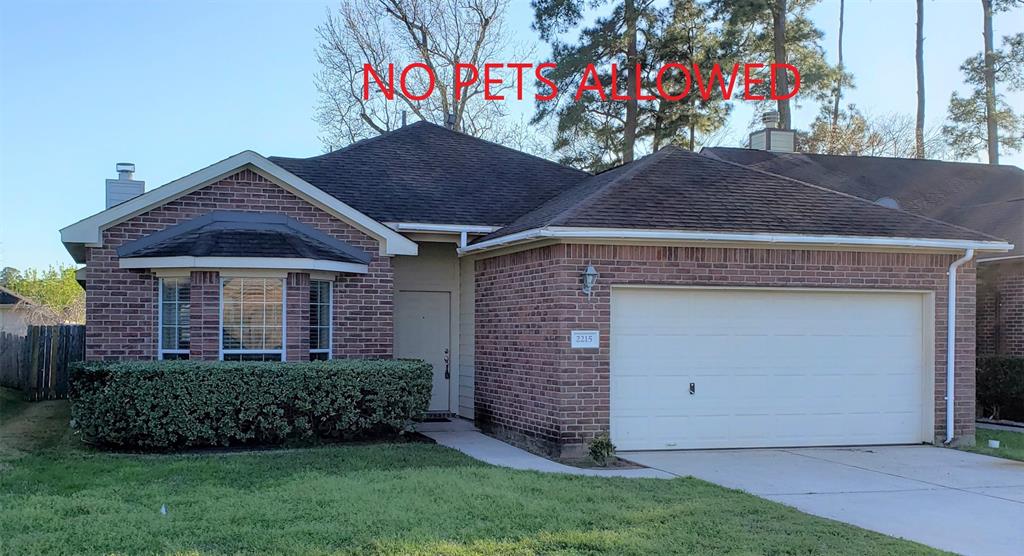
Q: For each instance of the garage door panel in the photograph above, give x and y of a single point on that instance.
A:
(771, 368)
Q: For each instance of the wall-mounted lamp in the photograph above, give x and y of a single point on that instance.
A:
(589, 279)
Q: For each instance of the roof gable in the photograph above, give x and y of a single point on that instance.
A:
(89, 230)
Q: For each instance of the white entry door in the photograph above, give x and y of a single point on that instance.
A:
(423, 331)
(736, 368)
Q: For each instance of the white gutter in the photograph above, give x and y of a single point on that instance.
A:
(733, 237)
(997, 259)
(951, 341)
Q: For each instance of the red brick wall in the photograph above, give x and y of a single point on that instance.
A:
(1001, 308)
(204, 315)
(528, 302)
(121, 309)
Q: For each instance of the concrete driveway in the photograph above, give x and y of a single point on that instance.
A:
(957, 501)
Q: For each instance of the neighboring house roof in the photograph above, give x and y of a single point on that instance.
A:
(984, 197)
(243, 234)
(8, 297)
(675, 189)
(427, 173)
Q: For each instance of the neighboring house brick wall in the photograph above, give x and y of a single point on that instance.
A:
(1001, 308)
(532, 388)
(121, 309)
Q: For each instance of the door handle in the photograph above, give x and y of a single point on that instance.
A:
(693, 388)
(447, 365)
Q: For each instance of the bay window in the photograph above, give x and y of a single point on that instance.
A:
(252, 319)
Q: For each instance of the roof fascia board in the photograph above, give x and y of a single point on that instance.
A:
(279, 263)
(89, 230)
(442, 228)
(734, 237)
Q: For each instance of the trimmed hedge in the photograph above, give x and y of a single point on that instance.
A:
(1000, 387)
(160, 405)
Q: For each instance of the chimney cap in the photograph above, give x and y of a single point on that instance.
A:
(125, 167)
(770, 119)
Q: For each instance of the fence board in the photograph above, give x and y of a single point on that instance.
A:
(38, 363)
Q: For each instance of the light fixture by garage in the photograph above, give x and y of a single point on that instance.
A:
(589, 279)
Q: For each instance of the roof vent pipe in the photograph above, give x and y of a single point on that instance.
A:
(770, 119)
(951, 342)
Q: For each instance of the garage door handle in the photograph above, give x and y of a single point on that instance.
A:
(693, 388)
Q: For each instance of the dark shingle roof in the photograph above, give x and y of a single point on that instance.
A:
(984, 197)
(429, 174)
(243, 234)
(8, 297)
(681, 190)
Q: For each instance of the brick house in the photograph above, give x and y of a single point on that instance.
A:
(678, 301)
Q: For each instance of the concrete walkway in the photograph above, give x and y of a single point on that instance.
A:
(953, 500)
(462, 436)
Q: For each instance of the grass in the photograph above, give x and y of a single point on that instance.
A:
(1012, 444)
(381, 498)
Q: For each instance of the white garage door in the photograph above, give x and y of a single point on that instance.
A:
(767, 368)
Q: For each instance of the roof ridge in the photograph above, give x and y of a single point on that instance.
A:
(425, 123)
(588, 200)
(858, 199)
(785, 155)
(364, 141)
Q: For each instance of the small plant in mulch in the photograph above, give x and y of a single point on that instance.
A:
(601, 449)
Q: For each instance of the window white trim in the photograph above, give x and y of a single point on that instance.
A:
(282, 263)
(284, 322)
(330, 319)
(160, 351)
(89, 230)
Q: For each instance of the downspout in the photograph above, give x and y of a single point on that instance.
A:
(951, 341)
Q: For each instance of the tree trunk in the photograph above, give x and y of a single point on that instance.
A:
(990, 87)
(839, 83)
(919, 129)
(781, 77)
(632, 107)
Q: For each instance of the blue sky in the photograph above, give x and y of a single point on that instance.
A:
(175, 86)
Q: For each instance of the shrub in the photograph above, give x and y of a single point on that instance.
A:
(1000, 387)
(160, 405)
(601, 449)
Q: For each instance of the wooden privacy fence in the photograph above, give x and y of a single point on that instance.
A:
(38, 362)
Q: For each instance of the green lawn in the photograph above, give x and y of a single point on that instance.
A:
(1012, 444)
(384, 498)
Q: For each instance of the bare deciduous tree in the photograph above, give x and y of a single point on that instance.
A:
(437, 33)
(854, 133)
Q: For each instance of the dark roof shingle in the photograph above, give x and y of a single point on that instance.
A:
(984, 197)
(426, 173)
(243, 234)
(681, 190)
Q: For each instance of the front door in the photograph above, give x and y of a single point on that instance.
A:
(423, 331)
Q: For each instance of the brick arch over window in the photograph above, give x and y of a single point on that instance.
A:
(121, 307)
